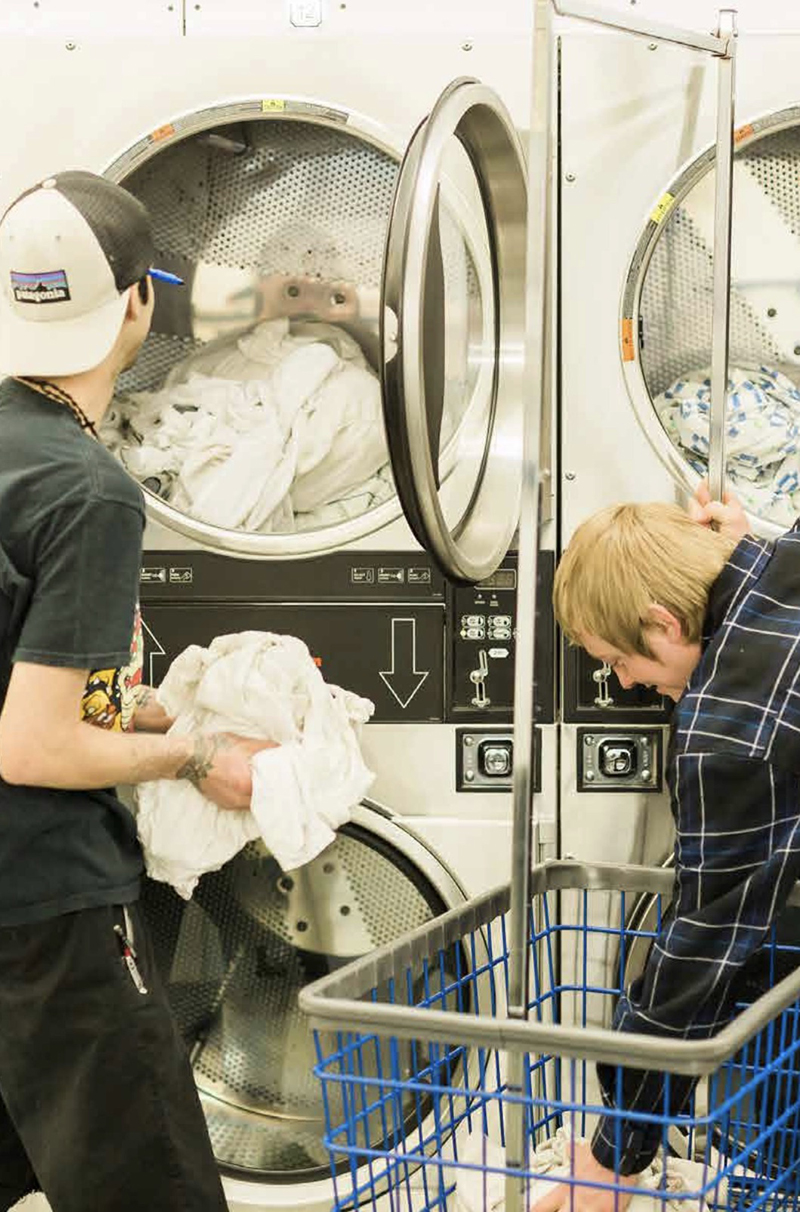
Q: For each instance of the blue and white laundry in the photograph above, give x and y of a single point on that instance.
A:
(762, 436)
(268, 431)
(256, 684)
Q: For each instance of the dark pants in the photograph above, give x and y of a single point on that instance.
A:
(98, 1107)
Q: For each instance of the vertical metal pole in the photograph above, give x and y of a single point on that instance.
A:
(721, 302)
(538, 365)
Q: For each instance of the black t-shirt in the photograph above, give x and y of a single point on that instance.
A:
(71, 524)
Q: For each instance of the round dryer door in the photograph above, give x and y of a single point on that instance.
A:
(666, 322)
(254, 415)
(464, 159)
(233, 959)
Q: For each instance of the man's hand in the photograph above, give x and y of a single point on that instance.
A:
(219, 767)
(584, 1169)
(148, 714)
(727, 516)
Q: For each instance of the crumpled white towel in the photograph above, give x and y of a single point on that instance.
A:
(483, 1190)
(256, 684)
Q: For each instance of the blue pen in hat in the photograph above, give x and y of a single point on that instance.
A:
(161, 275)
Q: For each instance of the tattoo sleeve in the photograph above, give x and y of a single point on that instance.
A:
(206, 748)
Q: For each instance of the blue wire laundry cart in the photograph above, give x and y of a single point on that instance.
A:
(435, 1099)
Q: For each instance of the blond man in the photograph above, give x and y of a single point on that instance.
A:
(711, 619)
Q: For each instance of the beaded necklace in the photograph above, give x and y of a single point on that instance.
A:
(53, 392)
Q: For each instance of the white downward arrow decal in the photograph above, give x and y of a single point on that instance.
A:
(155, 651)
(404, 676)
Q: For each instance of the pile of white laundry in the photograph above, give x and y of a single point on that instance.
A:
(274, 430)
(256, 684)
(482, 1188)
(762, 436)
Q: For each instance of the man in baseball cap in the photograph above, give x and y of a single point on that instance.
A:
(98, 1106)
(70, 248)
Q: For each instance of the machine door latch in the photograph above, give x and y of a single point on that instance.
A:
(601, 676)
(478, 678)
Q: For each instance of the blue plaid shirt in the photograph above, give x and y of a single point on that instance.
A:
(734, 779)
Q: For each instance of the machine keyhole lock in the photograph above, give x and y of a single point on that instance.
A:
(600, 677)
(478, 678)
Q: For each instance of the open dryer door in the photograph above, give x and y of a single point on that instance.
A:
(467, 148)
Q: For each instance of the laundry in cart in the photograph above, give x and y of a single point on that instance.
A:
(480, 1182)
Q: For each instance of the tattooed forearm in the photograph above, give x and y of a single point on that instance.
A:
(198, 765)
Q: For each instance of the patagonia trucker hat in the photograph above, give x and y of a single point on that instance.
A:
(70, 248)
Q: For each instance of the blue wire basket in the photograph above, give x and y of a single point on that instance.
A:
(435, 1098)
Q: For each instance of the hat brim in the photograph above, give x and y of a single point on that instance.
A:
(58, 347)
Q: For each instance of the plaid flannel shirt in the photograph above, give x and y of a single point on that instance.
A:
(734, 779)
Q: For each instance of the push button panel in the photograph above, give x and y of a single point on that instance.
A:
(620, 761)
(485, 760)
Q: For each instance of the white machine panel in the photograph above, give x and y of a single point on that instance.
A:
(94, 17)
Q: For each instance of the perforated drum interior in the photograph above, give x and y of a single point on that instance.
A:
(667, 312)
(234, 959)
(278, 224)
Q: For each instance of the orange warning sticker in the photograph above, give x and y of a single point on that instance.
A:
(628, 349)
(163, 132)
(272, 105)
(743, 132)
(663, 208)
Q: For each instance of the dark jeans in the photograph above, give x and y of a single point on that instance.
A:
(98, 1107)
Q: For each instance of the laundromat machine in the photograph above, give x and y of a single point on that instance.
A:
(636, 183)
(266, 140)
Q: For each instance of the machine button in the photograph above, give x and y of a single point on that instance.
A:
(500, 633)
(501, 620)
(495, 758)
(474, 633)
(473, 620)
(618, 759)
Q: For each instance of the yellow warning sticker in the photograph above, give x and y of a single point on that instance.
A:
(628, 350)
(743, 132)
(663, 207)
(272, 105)
(163, 132)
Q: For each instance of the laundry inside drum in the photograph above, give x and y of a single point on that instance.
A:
(255, 404)
(672, 278)
(233, 960)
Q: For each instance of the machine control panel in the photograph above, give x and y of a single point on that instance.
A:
(593, 694)
(619, 761)
(482, 643)
(485, 760)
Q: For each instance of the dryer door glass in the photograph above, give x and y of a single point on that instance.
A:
(452, 328)
(233, 959)
(253, 415)
(666, 325)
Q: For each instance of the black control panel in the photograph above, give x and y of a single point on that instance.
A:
(592, 694)
(482, 644)
(385, 625)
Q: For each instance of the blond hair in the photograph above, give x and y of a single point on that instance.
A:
(624, 559)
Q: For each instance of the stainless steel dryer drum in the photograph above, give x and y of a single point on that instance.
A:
(235, 958)
(276, 213)
(665, 332)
